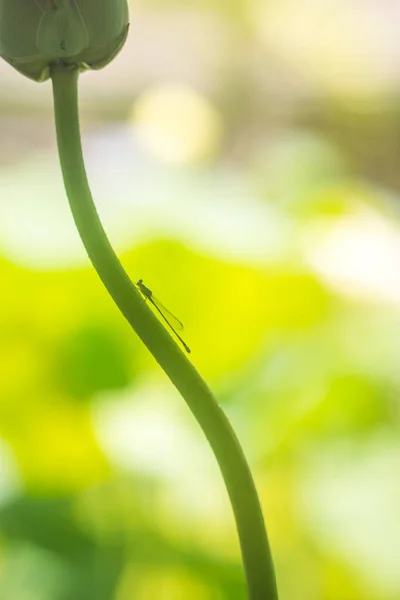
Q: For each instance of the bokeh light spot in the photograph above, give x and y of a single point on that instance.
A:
(177, 124)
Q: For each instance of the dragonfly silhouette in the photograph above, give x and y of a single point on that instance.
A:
(174, 323)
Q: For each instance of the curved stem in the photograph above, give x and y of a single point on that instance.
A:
(236, 473)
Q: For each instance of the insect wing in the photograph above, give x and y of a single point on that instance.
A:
(172, 320)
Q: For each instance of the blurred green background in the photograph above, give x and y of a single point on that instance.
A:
(244, 158)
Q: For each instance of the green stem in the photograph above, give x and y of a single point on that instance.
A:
(236, 473)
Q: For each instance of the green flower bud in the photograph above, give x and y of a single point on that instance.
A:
(86, 34)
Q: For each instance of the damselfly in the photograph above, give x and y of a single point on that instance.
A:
(168, 317)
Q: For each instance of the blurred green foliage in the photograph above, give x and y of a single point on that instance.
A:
(272, 231)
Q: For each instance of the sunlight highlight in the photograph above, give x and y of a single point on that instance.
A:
(358, 254)
(177, 124)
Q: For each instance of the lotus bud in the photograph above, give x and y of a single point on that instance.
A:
(84, 34)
